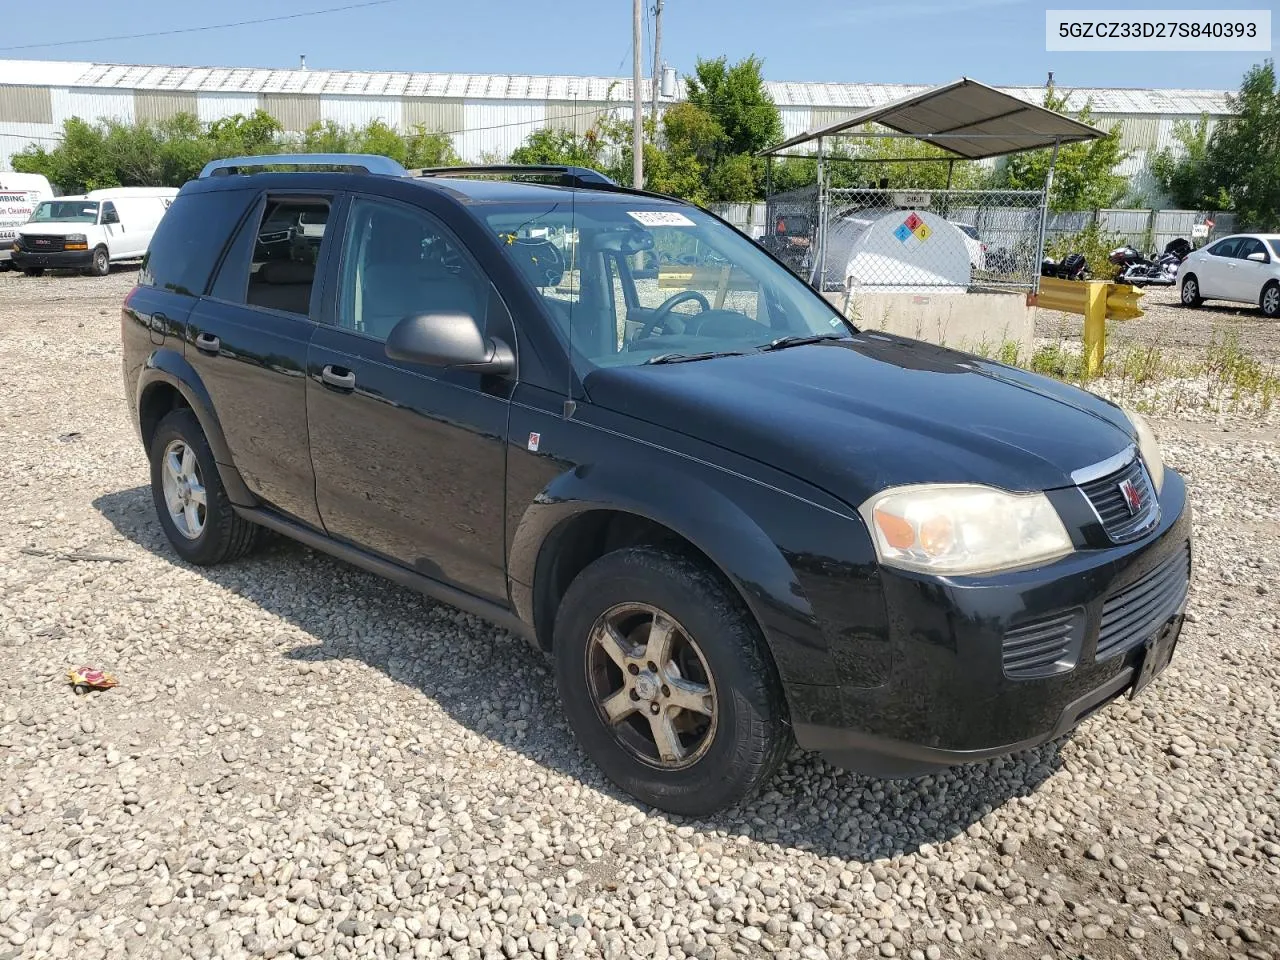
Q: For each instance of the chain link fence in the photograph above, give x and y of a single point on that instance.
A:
(903, 240)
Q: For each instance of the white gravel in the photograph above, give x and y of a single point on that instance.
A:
(303, 759)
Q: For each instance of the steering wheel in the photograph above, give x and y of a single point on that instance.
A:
(542, 261)
(660, 314)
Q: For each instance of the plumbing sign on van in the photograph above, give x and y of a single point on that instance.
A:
(17, 202)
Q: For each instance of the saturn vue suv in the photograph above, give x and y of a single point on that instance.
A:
(733, 519)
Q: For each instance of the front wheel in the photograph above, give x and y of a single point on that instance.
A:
(1191, 292)
(1270, 301)
(666, 682)
(194, 510)
(100, 266)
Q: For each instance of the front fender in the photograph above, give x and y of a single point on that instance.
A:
(169, 368)
(718, 520)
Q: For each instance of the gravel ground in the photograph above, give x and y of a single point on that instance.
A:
(303, 759)
(1181, 331)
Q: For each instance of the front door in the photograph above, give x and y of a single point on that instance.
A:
(1216, 269)
(248, 342)
(117, 239)
(410, 461)
(1249, 275)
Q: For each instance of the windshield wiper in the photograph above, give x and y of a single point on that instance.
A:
(691, 357)
(799, 340)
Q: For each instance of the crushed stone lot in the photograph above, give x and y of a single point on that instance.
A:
(301, 759)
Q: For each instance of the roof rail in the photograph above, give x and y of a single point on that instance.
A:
(360, 162)
(566, 176)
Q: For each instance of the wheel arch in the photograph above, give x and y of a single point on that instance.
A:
(168, 382)
(585, 514)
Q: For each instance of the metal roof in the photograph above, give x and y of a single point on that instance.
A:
(966, 118)
(856, 96)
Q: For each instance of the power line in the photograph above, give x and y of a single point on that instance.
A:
(213, 26)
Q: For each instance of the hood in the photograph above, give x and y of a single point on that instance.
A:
(53, 228)
(856, 416)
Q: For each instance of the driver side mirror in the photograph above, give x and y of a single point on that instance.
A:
(452, 341)
(1258, 257)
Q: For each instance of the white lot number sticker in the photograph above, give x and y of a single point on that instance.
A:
(660, 218)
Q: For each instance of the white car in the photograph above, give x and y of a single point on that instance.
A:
(1242, 267)
(91, 232)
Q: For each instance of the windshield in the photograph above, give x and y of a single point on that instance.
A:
(66, 211)
(629, 282)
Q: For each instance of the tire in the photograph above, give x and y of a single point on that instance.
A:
(217, 534)
(33, 272)
(1191, 291)
(732, 743)
(101, 263)
(1270, 300)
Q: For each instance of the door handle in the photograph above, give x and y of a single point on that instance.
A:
(343, 381)
(208, 343)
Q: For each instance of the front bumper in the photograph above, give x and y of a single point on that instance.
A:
(60, 260)
(949, 699)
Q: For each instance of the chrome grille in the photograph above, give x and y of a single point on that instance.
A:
(1042, 648)
(1143, 607)
(1112, 507)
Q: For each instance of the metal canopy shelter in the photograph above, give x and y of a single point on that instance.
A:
(966, 119)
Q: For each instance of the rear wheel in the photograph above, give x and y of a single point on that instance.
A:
(100, 266)
(1270, 300)
(1191, 292)
(34, 271)
(666, 683)
(190, 500)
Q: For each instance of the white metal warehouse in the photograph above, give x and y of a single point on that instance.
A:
(487, 115)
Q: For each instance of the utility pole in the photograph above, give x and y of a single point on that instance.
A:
(637, 120)
(657, 57)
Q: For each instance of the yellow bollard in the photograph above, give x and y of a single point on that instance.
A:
(1095, 326)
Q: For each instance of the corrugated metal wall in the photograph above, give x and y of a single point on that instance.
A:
(26, 105)
(295, 112)
(574, 116)
(217, 106)
(162, 104)
(438, 115)
(361, 111)
(91, 105)
(496, 127)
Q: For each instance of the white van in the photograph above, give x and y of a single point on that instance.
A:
(92, 231)
(20, 194)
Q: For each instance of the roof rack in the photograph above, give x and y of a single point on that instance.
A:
(359, 162)
(565, 176)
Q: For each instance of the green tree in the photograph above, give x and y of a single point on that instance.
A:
(1085, 175)
(1185, 176)
(559, 148)
(1243, 159)
(735, 96)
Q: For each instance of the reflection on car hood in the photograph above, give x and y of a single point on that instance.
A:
(856, 416)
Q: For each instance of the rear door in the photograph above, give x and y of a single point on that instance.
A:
(248, 343)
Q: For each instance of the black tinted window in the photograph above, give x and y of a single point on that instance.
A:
(285, 252)
(1249, 245)
(399, 262)
(1225, 248)
(189, 240)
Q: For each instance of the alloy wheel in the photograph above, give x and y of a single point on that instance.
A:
(651, 685)
(1271, 302)
(184, 492)
(1189, 291)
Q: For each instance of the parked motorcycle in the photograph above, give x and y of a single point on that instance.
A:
(1072, 267)
(1153, 271)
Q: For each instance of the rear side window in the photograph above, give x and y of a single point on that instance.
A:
(190, 238)
(286, 250)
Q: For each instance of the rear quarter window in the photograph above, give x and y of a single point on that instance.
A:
(190, 238)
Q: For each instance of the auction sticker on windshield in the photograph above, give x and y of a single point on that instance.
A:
(660, 218)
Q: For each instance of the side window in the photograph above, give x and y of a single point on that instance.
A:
(1225, 248)
(190, 238)
(1247, 246)
(109, 213)
(286, 249)
(398, 261)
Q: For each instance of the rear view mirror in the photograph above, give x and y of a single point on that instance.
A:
(1258, 257)
(452, 341)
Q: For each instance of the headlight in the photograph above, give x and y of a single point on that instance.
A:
(1148, 448)
(76, 238)
(963, 528)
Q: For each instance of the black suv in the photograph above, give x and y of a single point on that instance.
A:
(731, 518)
